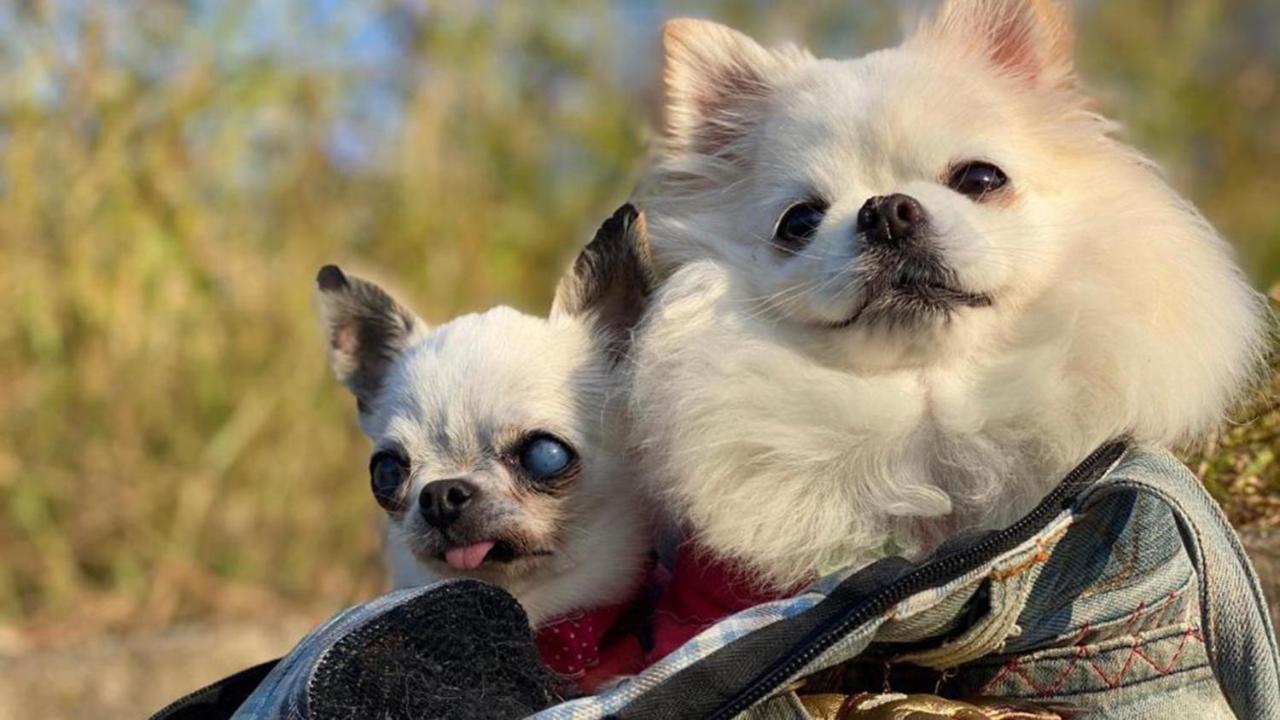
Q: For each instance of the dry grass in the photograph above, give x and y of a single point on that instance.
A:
(171, 445)
(1239, 464)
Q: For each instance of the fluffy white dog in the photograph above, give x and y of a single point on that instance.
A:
(909, 291)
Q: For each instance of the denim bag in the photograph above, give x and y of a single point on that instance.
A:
(1124, 594)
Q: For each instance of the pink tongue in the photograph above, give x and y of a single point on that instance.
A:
(468, 557)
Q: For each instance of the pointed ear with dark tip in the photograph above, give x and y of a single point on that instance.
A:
(366, 328)
(611, 280)
(1031, 40)
(717, 83)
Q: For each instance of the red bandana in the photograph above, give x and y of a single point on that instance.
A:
(575, 647)
(588, 648)
(703, 591)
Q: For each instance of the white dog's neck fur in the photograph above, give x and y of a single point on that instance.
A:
(796, 447)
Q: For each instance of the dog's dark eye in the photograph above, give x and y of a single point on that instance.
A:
(387, 472)
(798, 224)
(977, 179)
(545, 457)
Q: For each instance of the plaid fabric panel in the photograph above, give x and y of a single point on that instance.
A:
(701, 646)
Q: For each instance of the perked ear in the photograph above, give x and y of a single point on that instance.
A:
(1031, 40)
(717, 82)
(367, 329)
(611, 280)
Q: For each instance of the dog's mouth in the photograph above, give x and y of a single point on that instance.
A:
(465, 557)
(945, 296)
(908, 293)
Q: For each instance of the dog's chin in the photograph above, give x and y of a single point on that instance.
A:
(909, 309)
(901, 326)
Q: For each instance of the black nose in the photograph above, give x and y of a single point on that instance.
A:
(891, 219)
(443, 501)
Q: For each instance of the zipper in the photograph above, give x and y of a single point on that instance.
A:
(824, 637)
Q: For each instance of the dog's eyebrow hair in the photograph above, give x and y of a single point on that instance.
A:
(390, 447)
(440, 436)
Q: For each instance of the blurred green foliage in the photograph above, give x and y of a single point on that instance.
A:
(171, 176)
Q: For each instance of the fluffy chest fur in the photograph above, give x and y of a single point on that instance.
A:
(791, 460)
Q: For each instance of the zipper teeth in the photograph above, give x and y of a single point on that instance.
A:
(177, 704)
(181, 702)
(210, 689)
(918, 580)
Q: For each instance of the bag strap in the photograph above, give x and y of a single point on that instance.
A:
(1238, 634)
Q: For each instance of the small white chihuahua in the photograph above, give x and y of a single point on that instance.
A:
(909, 291)
(500, 438)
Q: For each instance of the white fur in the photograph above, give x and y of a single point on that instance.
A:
(795, 447)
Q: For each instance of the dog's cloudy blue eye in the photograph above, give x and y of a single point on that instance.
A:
(977, 179)
(798, 224)
(387, 472)
(545, 457)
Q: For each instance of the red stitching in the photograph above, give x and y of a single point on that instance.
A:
(1128, 662)
(1135, 616)
(1168, 667)
(1084, 633)
(1135, 651)
(1062, 677)
(1004, 671)
(1014, 667)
